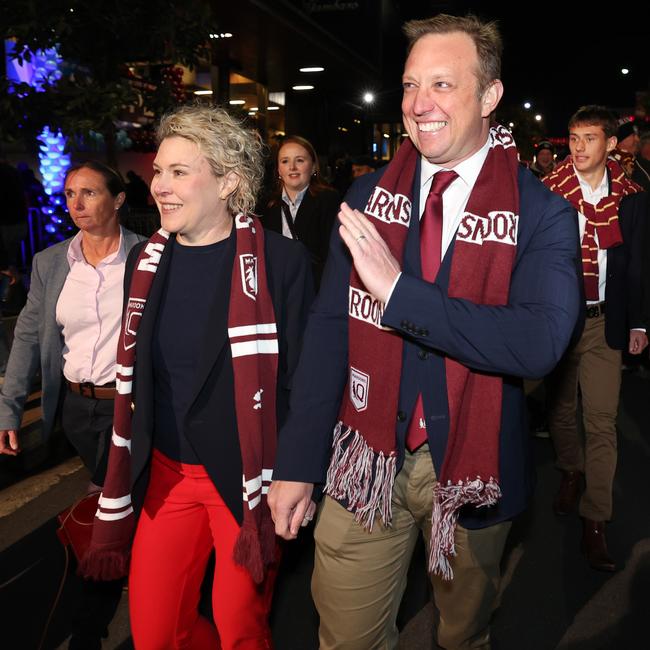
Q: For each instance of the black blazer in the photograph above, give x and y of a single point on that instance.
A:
(313, 225)
(211, 424)
(623, 292)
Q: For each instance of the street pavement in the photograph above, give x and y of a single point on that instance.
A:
(551, 600)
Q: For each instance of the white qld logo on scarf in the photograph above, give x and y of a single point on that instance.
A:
(248, 268)
(359, 387)
(134, 309)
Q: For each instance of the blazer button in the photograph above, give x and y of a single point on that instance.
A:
(405, 324)
(423, 354)
(401, 416)
(424, 332)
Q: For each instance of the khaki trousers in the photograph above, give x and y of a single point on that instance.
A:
(596, 368)
(359, 577)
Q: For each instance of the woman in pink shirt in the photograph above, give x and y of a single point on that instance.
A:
(68, 329)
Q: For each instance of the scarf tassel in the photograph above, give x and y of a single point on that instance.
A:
(101, 564)
(361, 476)
(255, 548)
(447, 500)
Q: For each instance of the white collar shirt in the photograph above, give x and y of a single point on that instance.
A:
(294, 206)
(455, 197)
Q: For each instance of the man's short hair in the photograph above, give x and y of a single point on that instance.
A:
(593, 115)
(486, 37)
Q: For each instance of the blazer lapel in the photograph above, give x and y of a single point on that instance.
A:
(144, 382)
(304, 221)
(57, 275)
(411, 261)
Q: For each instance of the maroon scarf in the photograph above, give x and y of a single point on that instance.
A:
(601, 218)
(254, 345)
(362, 469)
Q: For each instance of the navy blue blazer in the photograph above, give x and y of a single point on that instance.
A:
(525, 338)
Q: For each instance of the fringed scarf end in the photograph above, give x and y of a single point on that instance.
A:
(362, 477)
(102, 565)
(447, 501)
(248, 552)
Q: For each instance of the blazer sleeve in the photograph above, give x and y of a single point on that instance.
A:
(24, 357)
(298, 289)
(526, 337)
(635, 261)
(330, 206)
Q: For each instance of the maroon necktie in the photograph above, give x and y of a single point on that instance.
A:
(430, 254)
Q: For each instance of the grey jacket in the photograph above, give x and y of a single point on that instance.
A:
(38, 339)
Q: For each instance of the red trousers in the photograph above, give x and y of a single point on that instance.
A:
(182, 520)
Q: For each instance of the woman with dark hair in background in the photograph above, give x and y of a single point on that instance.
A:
(302, 207)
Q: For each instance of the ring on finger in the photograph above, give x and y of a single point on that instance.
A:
(359, 238)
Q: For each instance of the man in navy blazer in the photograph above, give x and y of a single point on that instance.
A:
(613, 212)
(451, 88)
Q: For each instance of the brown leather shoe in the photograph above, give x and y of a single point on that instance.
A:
(566, 498)
(594, 546)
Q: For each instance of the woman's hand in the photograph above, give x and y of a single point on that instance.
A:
(9, 442)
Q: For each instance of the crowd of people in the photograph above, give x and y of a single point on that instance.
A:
(219, 407)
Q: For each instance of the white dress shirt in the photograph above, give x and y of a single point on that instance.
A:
(293, 208)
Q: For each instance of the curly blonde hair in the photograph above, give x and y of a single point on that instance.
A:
(225, 143)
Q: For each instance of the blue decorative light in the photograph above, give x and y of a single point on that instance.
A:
(42, 70)
(54, 161)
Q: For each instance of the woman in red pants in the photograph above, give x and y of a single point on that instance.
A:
(215, 310)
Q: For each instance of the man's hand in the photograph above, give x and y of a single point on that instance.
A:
(372, 258)
(291, 506)
(638, 341)
(9, 442)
